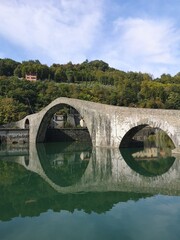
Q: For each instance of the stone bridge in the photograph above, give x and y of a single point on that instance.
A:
(108, 126)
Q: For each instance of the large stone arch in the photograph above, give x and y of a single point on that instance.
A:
(40, 120)
(133, 127)
(48, 115)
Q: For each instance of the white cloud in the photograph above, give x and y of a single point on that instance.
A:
(61, 30)
(73, 30)
(143, 44)
(149, 38)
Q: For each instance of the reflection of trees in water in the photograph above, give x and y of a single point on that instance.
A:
(156, 167)
(9, 173)
(64, 164)
(25, 193)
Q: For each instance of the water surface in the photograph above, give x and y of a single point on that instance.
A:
(74, 191)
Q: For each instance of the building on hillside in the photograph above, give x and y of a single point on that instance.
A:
(31, 77)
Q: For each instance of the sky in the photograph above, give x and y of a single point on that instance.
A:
(130, 35)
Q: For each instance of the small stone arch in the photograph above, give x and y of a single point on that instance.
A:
(27, 124)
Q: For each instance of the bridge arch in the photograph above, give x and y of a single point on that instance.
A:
(54, 107)
(136, 126)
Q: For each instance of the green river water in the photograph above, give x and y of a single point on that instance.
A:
(73, 191)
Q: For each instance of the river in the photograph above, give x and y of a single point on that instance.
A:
(74, 191)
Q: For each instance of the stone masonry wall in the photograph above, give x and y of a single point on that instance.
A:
(13, 136)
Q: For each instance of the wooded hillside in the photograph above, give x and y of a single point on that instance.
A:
(92, 81)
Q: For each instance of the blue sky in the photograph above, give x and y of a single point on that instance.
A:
(131, 35)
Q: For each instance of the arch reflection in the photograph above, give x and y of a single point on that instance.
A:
(147, 166)
(75, 167)
(64, 163)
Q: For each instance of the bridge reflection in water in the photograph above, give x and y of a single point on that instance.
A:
(73, 176)
(74, 168)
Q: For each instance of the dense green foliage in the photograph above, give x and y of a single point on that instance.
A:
(92, 81)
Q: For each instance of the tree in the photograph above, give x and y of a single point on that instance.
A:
(99, 65)
(60, 75)
(7, 67)
(11, 110)
(70, 76)
(173, 100)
